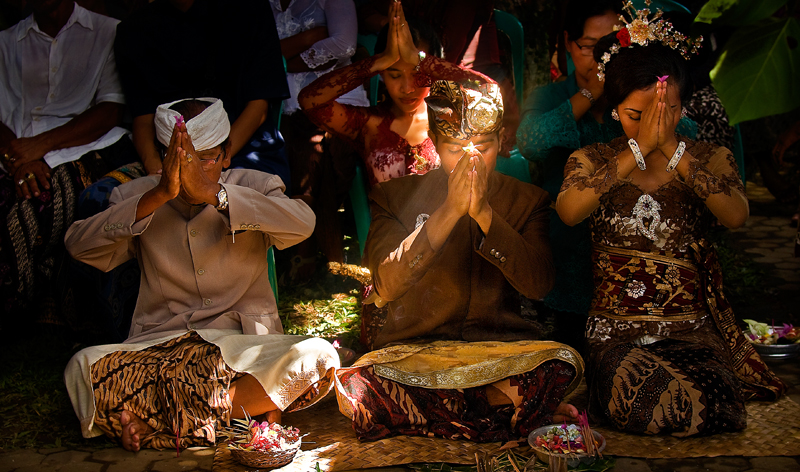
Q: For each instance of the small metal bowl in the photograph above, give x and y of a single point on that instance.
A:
(777, 351)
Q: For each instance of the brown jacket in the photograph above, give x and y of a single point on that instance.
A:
(469, 289)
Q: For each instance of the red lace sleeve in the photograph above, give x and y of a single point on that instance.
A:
(432, 68)
(318, 99)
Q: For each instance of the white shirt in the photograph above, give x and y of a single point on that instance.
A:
(45, 82)
(339, 16)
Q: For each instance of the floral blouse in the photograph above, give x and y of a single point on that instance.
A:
(386, 154)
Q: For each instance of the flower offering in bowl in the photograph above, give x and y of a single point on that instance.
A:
(773, 341)
(263, 444)
(568, 441)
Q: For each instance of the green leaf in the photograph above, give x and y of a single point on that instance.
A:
(758, 72)
(737, 12)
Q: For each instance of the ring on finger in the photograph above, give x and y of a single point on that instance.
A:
(20, 182)
(188, 157)
(6, 157)
(30, 176)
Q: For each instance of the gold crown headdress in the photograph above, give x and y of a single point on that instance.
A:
(642, 30)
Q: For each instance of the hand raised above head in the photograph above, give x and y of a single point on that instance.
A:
(405, 42)
(391, 54)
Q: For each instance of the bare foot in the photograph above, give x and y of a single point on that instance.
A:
(133, 431)
(565, 413)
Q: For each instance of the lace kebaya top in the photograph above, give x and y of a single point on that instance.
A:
(683, 217)
(386, 154)
(339, 16)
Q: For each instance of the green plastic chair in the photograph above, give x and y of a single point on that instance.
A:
(510, 26)
(515, 165)
(368, 42)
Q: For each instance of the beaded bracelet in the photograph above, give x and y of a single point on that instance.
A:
(637, 154)
(676, 157)
(586, 93)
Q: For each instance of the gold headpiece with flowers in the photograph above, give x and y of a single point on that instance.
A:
(642, 30)
(464, 109)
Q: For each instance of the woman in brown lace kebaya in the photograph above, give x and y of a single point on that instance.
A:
(391, 137)
(665, 353)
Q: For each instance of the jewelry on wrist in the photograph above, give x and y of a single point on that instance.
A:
(222, 199)
(422, 56)
(586, 93)
(637, 154)
(676, 157)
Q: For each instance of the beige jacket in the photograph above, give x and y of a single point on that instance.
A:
(200, 268)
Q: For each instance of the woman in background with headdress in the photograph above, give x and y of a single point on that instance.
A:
(665, 353)
(391, 137)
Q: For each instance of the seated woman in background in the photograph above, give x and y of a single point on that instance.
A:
(392, 136)
(557, 120)
(665, 354)
(316, 37)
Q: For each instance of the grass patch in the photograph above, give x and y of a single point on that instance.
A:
(329, 308)
(36, 411)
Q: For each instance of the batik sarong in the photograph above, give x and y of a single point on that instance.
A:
(440, 389)
(666, 354)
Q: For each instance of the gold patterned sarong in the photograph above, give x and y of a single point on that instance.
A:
(640, 286)
(440, 389)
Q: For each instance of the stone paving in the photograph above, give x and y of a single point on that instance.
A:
(767, 238)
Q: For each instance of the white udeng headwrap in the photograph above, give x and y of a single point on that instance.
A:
(208, 129)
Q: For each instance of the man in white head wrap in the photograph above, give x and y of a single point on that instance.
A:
(206, 341)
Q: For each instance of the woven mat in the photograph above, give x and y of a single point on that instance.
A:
(773, 430)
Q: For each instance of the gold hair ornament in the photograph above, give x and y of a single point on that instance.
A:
(642, 30)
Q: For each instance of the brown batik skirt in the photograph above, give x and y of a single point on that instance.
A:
(179, 388)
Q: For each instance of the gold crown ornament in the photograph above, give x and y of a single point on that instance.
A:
(643, 30)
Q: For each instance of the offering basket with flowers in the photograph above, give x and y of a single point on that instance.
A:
(262, 444)
(568, 443)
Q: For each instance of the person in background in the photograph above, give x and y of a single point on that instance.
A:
(391, 137)
(450, 253)
(317, 36)
(60, 104)
(469, 37)
(665, 352)
(206, 342)
(556, 120)
(236, 46)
